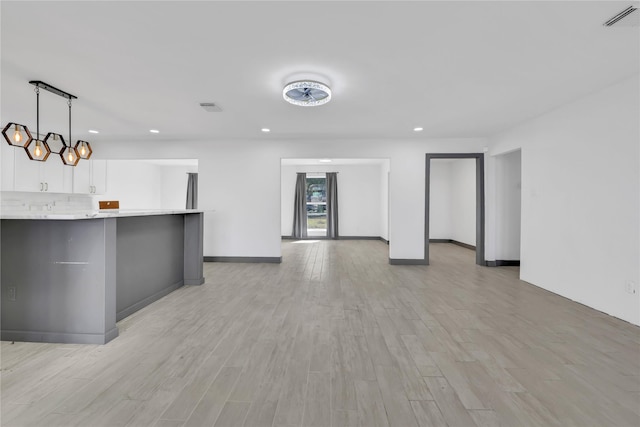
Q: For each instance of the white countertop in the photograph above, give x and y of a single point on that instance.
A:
(109, 213)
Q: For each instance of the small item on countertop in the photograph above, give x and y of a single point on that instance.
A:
(109, 204)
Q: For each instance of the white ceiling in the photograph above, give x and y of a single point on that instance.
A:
(454, 68)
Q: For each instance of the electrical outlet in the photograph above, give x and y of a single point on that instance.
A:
(12, 293)
(631, 287)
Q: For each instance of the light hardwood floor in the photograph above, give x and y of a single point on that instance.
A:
(335, 336)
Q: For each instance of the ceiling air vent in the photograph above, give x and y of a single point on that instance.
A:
(210, 107)
(626, 18)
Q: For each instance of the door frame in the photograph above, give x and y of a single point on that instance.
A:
(479, 157)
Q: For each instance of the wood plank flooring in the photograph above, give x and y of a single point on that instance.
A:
(335, 336)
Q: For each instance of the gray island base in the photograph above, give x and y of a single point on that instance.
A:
(70, 280)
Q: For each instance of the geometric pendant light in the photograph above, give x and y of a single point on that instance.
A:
(69, 155)
(38, 150)
(19, 136)
(55, 142)
(84, 149)
(16, 134)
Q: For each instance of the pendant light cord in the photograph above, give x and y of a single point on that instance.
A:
(69, 122)
(37, 89)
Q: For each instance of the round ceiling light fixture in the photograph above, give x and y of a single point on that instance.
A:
(306, 93)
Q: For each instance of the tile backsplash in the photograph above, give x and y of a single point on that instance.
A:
(14, 201)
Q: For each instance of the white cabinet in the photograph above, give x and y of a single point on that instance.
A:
(82, 177)
(27, 173)
(90, 177)
(99, 176)
(19, 173)
(47, 177)
(6, 163)
(55, 176)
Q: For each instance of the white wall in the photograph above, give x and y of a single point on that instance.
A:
(452, 207)
(581, 197)
(237, 176)
(463, 201)
(174, 186)
(359, 200)
(135, 184)
(360, 209)
(440, 199)
(508, 188)
(140, 184)
(384, 200)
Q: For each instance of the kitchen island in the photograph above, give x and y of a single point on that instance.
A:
(68, 277)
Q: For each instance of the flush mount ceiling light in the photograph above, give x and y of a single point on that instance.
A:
(306, 93)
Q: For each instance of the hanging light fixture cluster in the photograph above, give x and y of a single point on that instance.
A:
(39, 150)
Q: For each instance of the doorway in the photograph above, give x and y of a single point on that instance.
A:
(508, 210)
(479, 205)
(316, 204)
(363, 196)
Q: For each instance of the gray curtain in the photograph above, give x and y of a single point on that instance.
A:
(300, 208)
(192, 190)
(332, 205)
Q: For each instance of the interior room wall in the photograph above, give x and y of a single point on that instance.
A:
(440, 226)
(508, 194)
(142, 184)
(452, 208)
(384, 200)
(463, 201)
(174, 186)
(239, 183)
(360, 211)
(135, 184)
(581, 199)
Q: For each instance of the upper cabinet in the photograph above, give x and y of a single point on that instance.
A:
(82, 177)
(90, 177)
(7, 155)
(55, 176)
(26, 173)
(19, 173)
(99, 176)
(50, 176)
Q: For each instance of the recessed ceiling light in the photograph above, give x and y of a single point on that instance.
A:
(154, 131)
(325, 160)
(417, 129)
(265, 130)
(306, 93)
(93, 131)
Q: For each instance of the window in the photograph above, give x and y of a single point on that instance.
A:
(316, 205)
